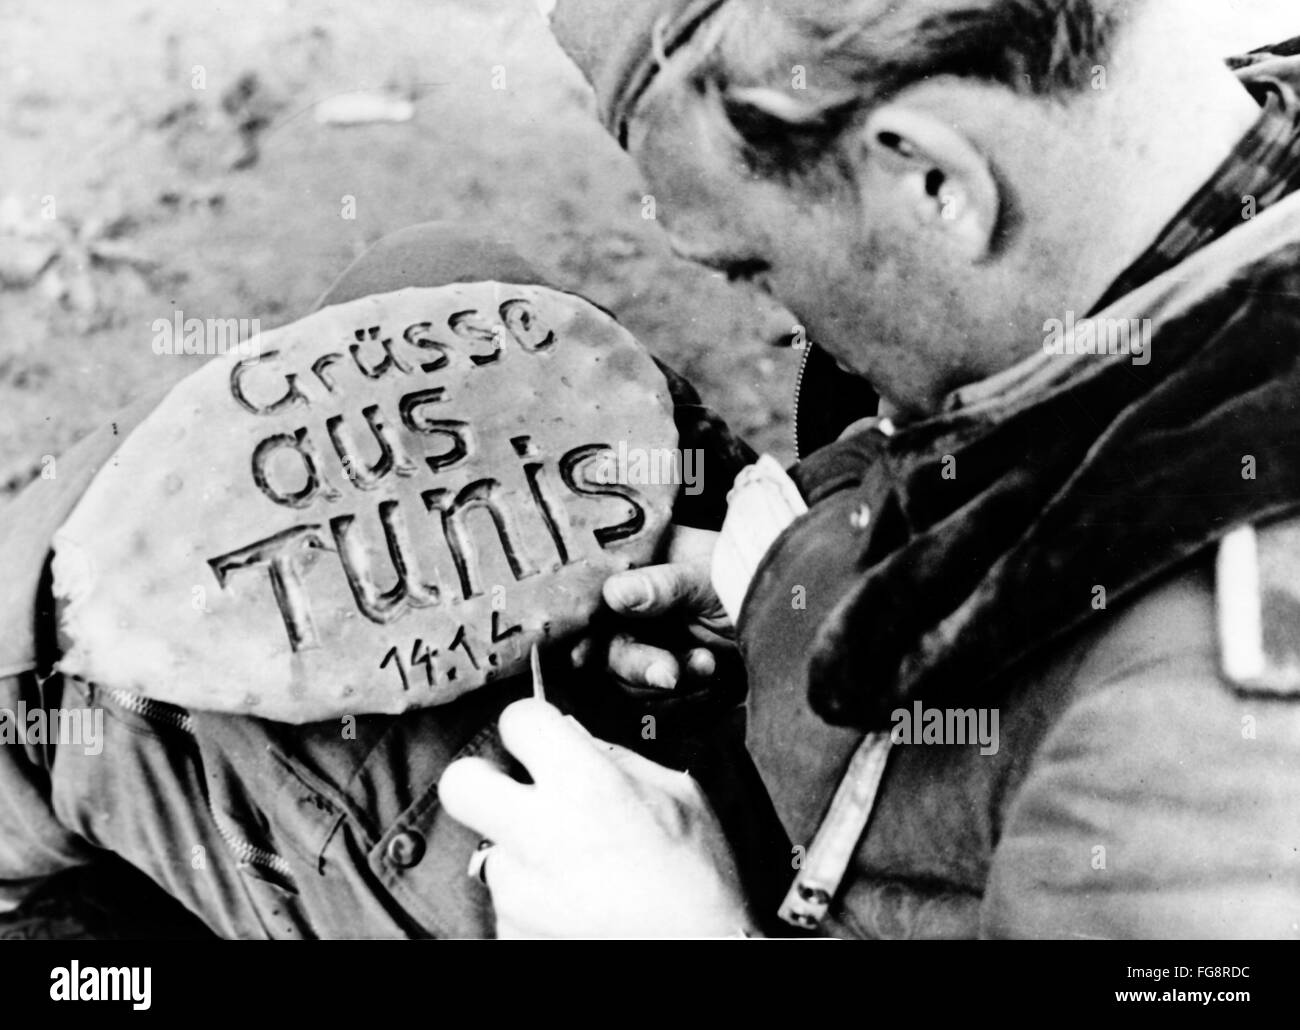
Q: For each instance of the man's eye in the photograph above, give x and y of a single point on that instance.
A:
(772, 144)
(756, 127)
(767, 146)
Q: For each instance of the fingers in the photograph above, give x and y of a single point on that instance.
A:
(514, 895)
(701, 662)
(657, 589)
(547, 744)
(582, 652)
(478, 794)
(642, 664)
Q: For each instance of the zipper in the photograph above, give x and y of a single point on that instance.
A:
(154, 711)
(798, 385)
(245, 852)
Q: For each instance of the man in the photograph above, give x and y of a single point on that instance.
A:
(938, 189)
(606, 842)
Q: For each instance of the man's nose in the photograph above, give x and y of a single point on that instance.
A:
(711, 256)
(684, 248)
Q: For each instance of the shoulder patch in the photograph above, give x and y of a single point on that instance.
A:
(1257, 598)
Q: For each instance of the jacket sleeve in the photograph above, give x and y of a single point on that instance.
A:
(33, 843)
(1163, 802)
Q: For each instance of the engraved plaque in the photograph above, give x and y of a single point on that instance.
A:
(382, 509)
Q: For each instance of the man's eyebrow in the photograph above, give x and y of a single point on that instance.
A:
(828, 114)
(746, 78)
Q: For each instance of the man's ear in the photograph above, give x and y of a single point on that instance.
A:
(936, 172)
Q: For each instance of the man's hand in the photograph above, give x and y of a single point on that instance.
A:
(603, 843)
(681, 612)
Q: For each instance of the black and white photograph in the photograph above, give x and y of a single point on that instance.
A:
(651, 470)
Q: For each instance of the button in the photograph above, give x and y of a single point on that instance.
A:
(405, 849)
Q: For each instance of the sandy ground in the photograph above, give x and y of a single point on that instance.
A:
(227, 201)
(163, 156)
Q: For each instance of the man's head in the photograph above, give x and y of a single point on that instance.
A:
(926, 182)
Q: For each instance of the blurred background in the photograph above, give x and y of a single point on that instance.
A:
(163, 155)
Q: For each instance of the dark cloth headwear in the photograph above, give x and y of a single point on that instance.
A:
(936, 560)
(618, 45)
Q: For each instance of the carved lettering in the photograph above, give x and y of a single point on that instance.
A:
(321, 366)
(300, 443)
(292, 394)
(575, 461)
(417, 421)
(484, 494)
(461, 640)
(392, 458)
(417, 336)
(526, 326)
(408, 591)
(499, 634)
(474, 328)
(388, 363)
(278, 554)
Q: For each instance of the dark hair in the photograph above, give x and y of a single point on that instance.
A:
(860, 52)
(1038, 47)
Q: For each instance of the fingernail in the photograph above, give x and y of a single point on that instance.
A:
(702, 662)
(661, 676)
(630, 592)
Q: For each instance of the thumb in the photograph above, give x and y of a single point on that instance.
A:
(657, 589)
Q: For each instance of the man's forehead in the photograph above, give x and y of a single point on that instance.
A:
(620, 46)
